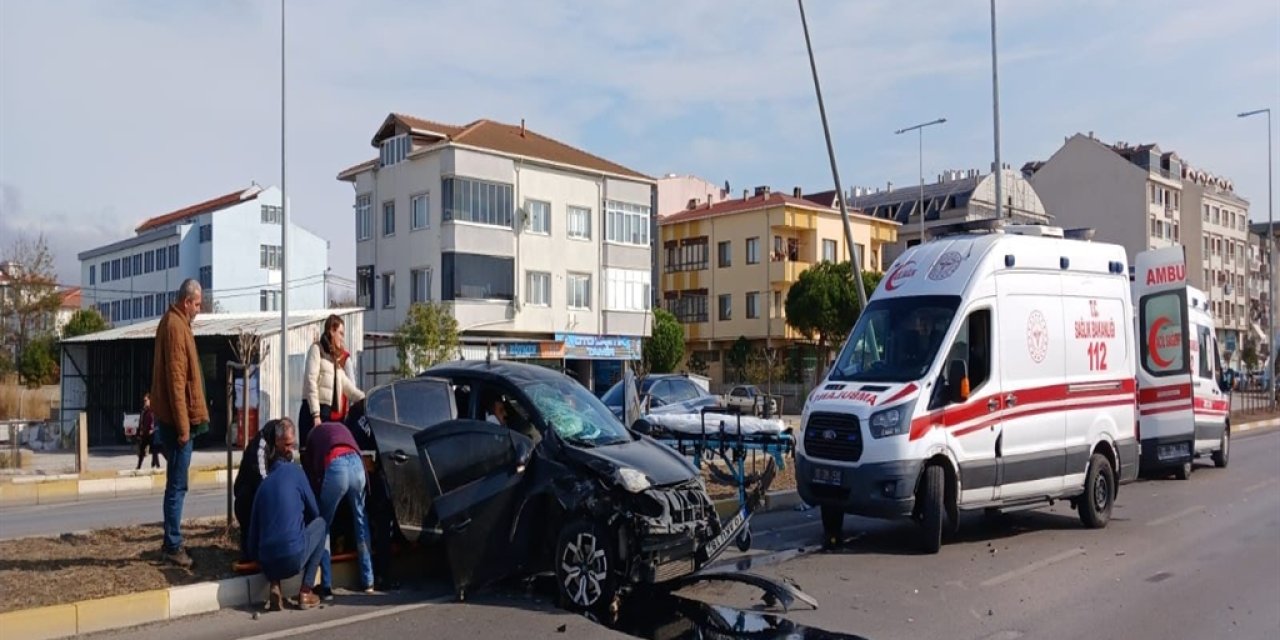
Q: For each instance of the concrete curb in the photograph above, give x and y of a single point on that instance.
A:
(33, 490)
(1257, 424)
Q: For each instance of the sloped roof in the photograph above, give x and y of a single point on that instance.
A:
(728, 207)
(265, 324)
(208, 206)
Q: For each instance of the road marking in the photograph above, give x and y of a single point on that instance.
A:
(342, 622)
(1034, 566)
(1174, 516)
(1264, 483)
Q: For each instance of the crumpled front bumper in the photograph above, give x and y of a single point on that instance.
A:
(668, 526)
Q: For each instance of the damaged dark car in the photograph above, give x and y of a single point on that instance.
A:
(519, 470)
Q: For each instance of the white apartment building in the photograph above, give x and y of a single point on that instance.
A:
(230, 243)
(1144, 198)
(541, 251)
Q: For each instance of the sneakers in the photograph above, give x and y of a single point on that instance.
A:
(177, 557)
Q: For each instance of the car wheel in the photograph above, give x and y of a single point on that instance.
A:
(1099, 493)
(1183, 471)
(586, 569)
(933, 511)
(1223, 455)
(832, 526)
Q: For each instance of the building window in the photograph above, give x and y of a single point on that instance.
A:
(137, 264)
(173, 256)
(539, 289)
(106, 271)
(724, 251)
(270, 257)
(753, 304)
(689, 254)
(148, 306)
(1206, 213)
(364, 286)
(126, 310)
(160, 254)
(115, 269)
(475, 201)
(579, 290)
(389, 218)
(388, 290)
(206, 277)
(148, 262)
(726, 306)
(626, 223)
(777, 304)
(468, 276)
(753, 250)
(268, 300)
(272, 214)
(115, 311)
(137, 308)
(688, 306)
(419, 215)
(539, 216)
(393, 150)
(206, 233)
(93, 271)
(627, 289)
(159, 297)
(364, 217)
(420, 285)
(126, 267)
(829, 250)
(579, 223)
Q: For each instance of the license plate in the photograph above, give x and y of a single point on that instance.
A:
(828, 476)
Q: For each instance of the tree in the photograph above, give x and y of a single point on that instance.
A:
(698, 365)
(38, 364)
(84, 322)
(428, 336)
(665, 348)
(823, 304)
(30, 300)
(738, 358)
(1249, 354)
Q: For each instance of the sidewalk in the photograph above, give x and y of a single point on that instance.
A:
(50, 477)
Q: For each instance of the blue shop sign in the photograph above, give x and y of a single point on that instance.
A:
(589, 347)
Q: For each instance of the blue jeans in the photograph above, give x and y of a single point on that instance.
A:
(313, 554)
(178, 459)
(345, 478)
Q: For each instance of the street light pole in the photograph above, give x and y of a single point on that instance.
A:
(1271, 259)
(995, 109)
(284, 246)
(919, 129)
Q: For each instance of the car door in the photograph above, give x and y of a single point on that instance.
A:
(396, 413)
(974, 440)
(474, 472)
(1166, 418)
(1211, 403)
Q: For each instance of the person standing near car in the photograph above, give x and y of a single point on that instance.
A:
(326, 389)
(177, 399)
(146, 435)
(333, 463)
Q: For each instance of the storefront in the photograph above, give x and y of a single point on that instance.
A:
(594, 361)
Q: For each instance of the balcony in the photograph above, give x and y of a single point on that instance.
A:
(785, 272)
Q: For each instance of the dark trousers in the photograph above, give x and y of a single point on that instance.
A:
(142, 453)
(306, 423)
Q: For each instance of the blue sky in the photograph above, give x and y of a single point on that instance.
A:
(113, 111)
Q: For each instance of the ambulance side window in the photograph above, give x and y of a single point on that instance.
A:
(973, 347)
(1206, 353)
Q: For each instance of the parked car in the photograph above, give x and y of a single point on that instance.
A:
(748, 398)
(664, 393)
(518, 469)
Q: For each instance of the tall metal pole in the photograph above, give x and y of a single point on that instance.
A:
(995, 109)
(856, 259)
(1271, 261)
(284, 243)
(919, 129)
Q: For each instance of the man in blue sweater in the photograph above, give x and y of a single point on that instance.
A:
(286, 532)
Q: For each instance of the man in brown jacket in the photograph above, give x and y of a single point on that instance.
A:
(177, 399)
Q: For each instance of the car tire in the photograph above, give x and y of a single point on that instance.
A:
(1223, 455)
(832, 526)
(933, 511)
(1099, 493)
(587, 569)
(1183, 471)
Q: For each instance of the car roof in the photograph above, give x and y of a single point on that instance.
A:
(517, 373)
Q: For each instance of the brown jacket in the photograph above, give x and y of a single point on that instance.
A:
(177, 387)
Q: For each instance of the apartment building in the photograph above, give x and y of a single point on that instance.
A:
(230, 243)
(727, 267)
(541, 251)
(1143, 197)
(1262, 275)
(677, 193)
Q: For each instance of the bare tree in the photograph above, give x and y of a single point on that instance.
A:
(29, 298)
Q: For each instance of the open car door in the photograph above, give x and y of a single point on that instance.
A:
(473, 472)
(1165, 419)
(396, 412)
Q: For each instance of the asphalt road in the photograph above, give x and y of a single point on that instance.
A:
(56, 519)
(1194, 559)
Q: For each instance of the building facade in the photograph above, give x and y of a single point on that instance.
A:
(1142, 197)
(677, 193)
(231, 244)
(727, 267)
(541, 251)
(1263, 272)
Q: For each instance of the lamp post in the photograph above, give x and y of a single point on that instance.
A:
(284, 245)
(919, 129)
(1271, 259)
(995, 113)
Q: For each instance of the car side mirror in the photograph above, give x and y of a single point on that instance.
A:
(523, 452)
(642, 427)
(958, 381)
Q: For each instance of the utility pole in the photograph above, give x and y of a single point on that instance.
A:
(284, 243)
(919, 129)
(995, 110)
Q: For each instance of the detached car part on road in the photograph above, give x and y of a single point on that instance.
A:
(518, 469)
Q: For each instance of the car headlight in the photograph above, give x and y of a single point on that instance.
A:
(891, 422)
(632, 480)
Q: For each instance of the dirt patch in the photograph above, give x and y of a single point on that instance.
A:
(38, 572)
(783, 480)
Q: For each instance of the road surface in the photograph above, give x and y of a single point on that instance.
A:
(56, 519)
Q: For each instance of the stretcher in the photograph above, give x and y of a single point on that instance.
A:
(724, 434)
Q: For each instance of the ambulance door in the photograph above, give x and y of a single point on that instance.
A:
(1166, 423)
(1211, 403)
(974, 424)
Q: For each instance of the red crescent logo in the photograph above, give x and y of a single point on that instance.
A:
(1151, 342)
(903, 270)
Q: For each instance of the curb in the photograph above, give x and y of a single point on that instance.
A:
(35, 490)
(773, 501)
(1258, 424)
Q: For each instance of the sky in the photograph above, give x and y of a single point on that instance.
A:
(118, 110)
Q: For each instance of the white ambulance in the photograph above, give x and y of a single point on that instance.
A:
(1183, 401)
(989, 370)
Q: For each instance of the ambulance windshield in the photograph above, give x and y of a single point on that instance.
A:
(896, 339)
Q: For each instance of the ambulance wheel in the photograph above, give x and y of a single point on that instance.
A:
(744, 540)
(585, 569)
(832, 526)
(1223, 455)
(933, 511)
(1099, 493)
(1183, 471)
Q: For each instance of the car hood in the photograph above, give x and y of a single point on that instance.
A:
(660, 463)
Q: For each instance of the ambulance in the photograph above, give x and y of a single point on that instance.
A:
(1183, 399)
(993, 368)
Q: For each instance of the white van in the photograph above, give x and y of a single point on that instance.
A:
(989, 370)
(1183, 402)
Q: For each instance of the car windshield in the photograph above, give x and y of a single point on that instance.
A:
(575, 414)
(896, 339)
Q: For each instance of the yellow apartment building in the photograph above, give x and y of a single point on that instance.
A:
(727, 267)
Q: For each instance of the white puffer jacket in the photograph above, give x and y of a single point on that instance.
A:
(317, 387)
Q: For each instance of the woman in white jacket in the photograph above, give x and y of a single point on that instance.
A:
(327, 391)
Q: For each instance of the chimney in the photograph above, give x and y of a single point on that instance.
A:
(746, 193)
(889, 187)
(693, 204)
(762, 190)
(521, 127)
